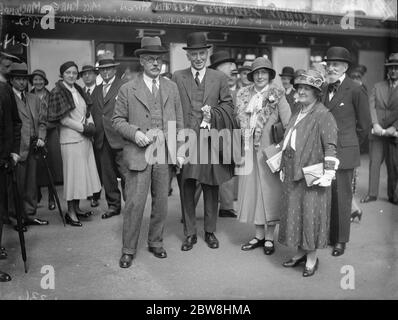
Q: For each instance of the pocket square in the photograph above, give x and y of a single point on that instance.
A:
(341, 104)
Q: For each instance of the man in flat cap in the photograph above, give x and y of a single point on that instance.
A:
(146, 108)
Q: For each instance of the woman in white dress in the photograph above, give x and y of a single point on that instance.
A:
(70, 106)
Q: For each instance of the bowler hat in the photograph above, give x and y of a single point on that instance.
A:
(220, 57)
(392, 60)
(197, 40)
(287, 72)
(18, 70)
(261, 63)
(40, 73)
(87, 67)
(150, 45)
(10, 57)
(247, 65)
(106, 61)
(311, 78)
(338, 54)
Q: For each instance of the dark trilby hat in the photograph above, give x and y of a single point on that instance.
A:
(40, 73)
(247, 65)
(311, 78)
(261, 63)
(10, 57)
(338, 54)
(392, 60)
(150, 45)
(287, 72)
(19, 70)
(220, 57)
(87, 67)
(197, 40)
(106, 61)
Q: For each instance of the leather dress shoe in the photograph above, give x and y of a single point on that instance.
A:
(126, 260)
(158, 252)
(72, 222)
(227, 213)
(109, 214)
(189, 242)
(250, 246)
(211, 240)
(338, 249)
(83, 214)
(4, 277)
(36, 222)
(368, 198)
(94, 203)
(269, 250)
(294, 262)
(51, 205)
(3, 253)
(308, 272)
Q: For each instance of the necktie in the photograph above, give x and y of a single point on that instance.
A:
(105, 89)
(23, 98)
(332, 87)
(197, 78)
(88, 91)
(154, 88)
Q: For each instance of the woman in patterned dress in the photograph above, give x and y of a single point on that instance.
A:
(310, 138)
(259, 106)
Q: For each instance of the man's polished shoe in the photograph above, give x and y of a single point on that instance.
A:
(368, 198)
(4, 277)
(227, 213)
(158, 252)
(211, 240)
(94, 203)
(3, 253)
(189, 242)
(294, 262)
(126, 260)
(250, 245)
(109, 214)
(36, 222)
(308, 272)
(338, 249)
(86, 214)
(72, 222)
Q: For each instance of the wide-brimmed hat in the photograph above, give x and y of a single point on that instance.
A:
(197, 40)
(106, 61)
(40, 73)
(298, 72)
(287, 72)
(247, 65)
(150, 45)
(338, 54)
(10, 57)
(18, 70)
(261, 63)
(87, 67)
(311, 78)
(220, 57)
(392, 60)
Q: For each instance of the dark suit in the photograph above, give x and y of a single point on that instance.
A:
(210, 176)
(383, 103)
(350, 108)
(108, 143)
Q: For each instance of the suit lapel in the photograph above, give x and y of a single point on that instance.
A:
(164, 90)
(187, 77)
(30, 102)
(339, 95)
(208, 85)
(99, 96)
(385, 93)
(392, 96)
(139, 91)
(23, 109)
(112, 91)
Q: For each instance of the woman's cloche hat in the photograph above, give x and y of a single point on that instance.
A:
(311, 78)
(261, 63)
(41, 73)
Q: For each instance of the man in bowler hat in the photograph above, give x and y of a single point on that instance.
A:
(206, 102)
(348, 102)
(145, 109)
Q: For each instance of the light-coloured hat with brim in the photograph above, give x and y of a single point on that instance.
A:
(87, 67)
(311, 78)
(150, 45)
(106, 61)
(19, 70)
(40, 73)
(10, 57)
(220, 57)
(392, 60)
(261, 63)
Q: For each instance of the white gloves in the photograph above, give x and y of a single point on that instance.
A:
(326, 179)
(206, 117)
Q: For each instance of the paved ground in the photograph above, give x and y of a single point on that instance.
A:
(85, 261)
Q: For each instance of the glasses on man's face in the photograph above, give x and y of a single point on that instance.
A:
(152, 60)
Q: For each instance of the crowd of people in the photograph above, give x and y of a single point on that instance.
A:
(303, 137)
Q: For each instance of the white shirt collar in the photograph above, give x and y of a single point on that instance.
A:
(342, 78)
(91, 88)
(233, 88)
(17, 93)
(109, 83)
(201, 73)
(3, 79)
(148, 81)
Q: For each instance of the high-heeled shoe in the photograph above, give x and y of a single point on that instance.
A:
(356, 214)
(308, 272)
(72, 222)
(295, 262)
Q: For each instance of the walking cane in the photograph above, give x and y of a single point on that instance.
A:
(18, 209)
(43, 152)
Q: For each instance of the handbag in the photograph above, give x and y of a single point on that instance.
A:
(312, 173)
(273, 156)
(277, 132)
